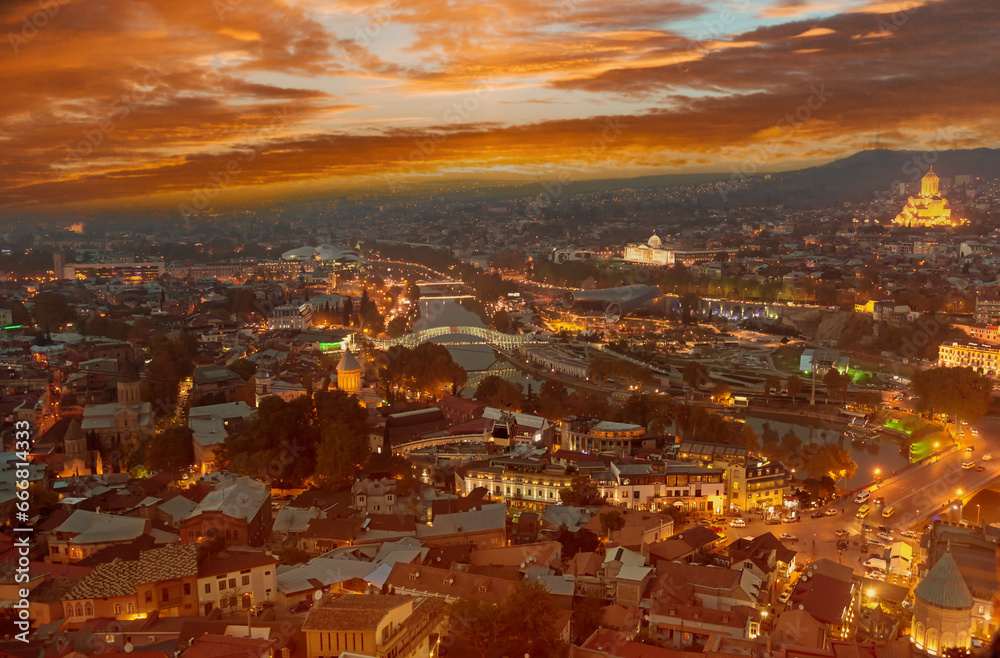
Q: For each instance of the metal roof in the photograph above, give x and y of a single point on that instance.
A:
(944, 586)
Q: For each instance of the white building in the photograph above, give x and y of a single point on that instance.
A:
(290, 316)
(649, 253)
(237, 581)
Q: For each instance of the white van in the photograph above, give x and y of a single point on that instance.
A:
(862, 497)
(738, 523)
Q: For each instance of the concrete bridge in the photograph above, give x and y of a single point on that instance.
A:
(507, 342)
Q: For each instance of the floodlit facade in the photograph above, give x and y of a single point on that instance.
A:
(927, 208)
(984, 359)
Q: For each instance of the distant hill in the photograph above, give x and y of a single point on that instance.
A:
(862, 175)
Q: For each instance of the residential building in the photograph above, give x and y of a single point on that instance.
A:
(291, 316)
(752, 483)
(215, 382)
(987, 310)
(984, 359)
(238, 512)
(655, 486)
(84, 533)
(520, 483)
(161, 579)
(373, 625)
(237, 580)
(210, 425)
(376, 496)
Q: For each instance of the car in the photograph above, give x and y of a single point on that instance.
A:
(969, 465)
(987, 458)
(864, 548)
(843, 533)
(974, 430)
(704, 522)
(787, 537)
(773, 521)
(866, 527)
(816, 515)
(785, 595)
(970, 449)
(302, 606)
(880, 500)
(980, 468)
(909, 533)
(792, 519)
(885, 536)
(883, 528)
(738, 523)
(831, 512)
(261, 608)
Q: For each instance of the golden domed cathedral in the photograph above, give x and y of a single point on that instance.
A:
(928, 208)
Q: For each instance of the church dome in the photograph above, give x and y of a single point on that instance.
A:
(348, 363)
(944, 586)
(655, 241)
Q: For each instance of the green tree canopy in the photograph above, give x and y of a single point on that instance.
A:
(961, 393)
(498, 392)
(581, 492)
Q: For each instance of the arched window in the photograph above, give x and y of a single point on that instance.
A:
(79, 609)
(90, 609)
(918, 634)
(932, 640)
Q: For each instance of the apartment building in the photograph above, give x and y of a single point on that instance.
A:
(984, 359)
(373, 625)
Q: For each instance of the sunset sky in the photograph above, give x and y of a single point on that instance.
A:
(103, 100)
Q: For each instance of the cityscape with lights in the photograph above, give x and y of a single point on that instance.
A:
(489, 329)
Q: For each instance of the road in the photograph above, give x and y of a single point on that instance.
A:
(915, 496)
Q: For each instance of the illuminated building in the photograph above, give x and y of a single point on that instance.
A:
(291, 316)
(650, 252)
(984, 359)
(600, 436)
(942, 609)
(752, 483)
(927, 208)
(132, 270)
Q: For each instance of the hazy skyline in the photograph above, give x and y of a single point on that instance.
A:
(112, 99)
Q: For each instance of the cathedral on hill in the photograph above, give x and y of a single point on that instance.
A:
(928, 208)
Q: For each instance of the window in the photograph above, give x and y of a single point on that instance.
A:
(55, 550)
(89, 608)
(164, 594)
(208, 588)
(246, 580)
(149, 596)
(118, 608)
(130, 608)
(232, 583)
(267, 573)
(187, 589)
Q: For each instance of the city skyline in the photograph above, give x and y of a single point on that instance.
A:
(170, 98)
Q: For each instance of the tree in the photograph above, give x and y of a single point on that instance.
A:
(501, 321)
(611, 521)
(553, 400)
(836, 383)
(397, 326)
(581, 492)
(245, 368)
(794, 385)
(587, 616)
(695, 374)
(496, 391)
(771, 385)
(372, 321)
(477, 623)
(961, 393)
(52, 310)
(171, 450)
(340, 455)
(526, 622)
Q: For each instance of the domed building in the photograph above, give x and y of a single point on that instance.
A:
(349, 373)
(928, 208)
(942, 609)
(650, 252)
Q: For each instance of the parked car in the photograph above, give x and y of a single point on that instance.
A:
(885, 536)
(738, 523)
(866, 527)
(792, 519)
(261, 608)
(970, 449)
(302, 606)
(864, 548)
(817, 515)
(987, 458)
(831, 512)
(909, 533)
(843, 533)
(787, 537)
(773, 521)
